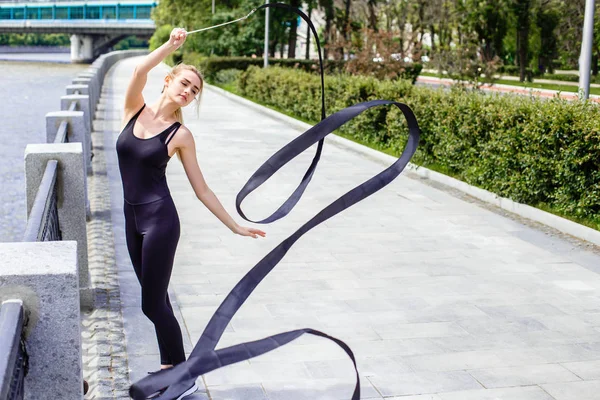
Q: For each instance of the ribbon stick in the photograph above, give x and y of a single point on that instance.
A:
(223, 24)
(205, 357)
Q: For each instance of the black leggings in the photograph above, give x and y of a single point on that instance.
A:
(152, 233)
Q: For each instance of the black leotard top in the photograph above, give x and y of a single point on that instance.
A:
(142, 163)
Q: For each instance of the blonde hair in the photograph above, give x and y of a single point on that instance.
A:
(173, 73)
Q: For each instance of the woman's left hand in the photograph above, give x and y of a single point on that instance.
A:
(244, 231)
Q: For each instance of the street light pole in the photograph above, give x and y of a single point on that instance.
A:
(585, 59)
(213, 6)
(266, 51)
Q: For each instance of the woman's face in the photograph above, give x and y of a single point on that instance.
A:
(184, 88)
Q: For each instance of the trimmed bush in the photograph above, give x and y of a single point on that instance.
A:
(226, 76)
(562, 77)
(542, 153)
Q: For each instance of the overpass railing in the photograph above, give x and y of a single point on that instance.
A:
(88, 11)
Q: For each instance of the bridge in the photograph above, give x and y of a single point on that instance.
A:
(94, 26)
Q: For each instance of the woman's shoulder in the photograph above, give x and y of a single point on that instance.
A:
(184, 130)
(184, 135)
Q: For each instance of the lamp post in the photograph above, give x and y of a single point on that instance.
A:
(585, 59)
(213, 6)
(266, 51)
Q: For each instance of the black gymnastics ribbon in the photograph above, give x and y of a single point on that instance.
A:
(204, 357)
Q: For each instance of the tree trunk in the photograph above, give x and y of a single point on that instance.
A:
(308, 33)
(272, 48)
(346, 27)
(329, 14)
(347, 19)
(372, 14)
(522, 11)
(293, 30)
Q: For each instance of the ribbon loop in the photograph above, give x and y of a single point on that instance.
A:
(204, 357)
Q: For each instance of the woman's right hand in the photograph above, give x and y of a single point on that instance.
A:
(177, 37)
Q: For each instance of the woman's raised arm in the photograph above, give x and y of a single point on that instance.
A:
(133, 96)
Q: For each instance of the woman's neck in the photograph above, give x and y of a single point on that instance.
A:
(164, 110)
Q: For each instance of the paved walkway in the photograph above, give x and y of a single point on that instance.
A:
(438, 297)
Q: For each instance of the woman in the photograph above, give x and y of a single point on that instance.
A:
(152, 135)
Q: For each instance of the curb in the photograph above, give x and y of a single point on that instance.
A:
(561, 224)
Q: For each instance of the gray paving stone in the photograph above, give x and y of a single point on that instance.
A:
(523, 375)
(454, 361)
(587, 370)
(587, 390)
(322, 389)
(431, 329)
(423, 383)
(235, 392)
(519, 393)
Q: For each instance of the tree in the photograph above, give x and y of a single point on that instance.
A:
(548, 19)
(522, 11)
(570, 32)
(309, 35)
(293, 29)
(488, 20)
(372, 7)
(329, 10)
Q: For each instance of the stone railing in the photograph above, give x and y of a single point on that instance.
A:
(48, 271)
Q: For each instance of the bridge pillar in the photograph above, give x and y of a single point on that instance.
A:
(82, 48)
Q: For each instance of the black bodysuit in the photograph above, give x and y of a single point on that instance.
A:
(151, 229)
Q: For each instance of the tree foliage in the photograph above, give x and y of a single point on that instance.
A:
(531, 36)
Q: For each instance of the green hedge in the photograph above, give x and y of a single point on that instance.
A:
(562, 77)
(211, 65)
(569, 77)
(513, 70)
(541, 153)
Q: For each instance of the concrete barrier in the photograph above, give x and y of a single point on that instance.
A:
(44, 276)
(77, 131)
(92, 85)
(82, 103)
(71, 199)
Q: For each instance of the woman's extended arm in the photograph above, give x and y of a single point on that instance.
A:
(175, 41)
(187, 149)
(133, 97)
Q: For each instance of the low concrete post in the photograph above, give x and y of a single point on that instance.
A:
(83, 104)
(94, 95)
(77, 131)
(71, 198)
(44, 276)
(82, 89)
(95, 82)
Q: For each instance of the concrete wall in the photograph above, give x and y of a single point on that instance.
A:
(44, 276)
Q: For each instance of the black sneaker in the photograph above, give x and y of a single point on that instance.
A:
(192, 389)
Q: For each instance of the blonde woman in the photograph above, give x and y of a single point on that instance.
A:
(152, 135)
